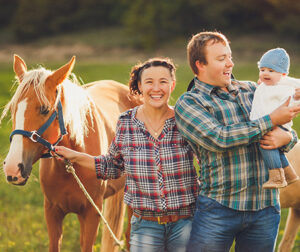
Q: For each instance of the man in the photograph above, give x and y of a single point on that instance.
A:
(214, 117)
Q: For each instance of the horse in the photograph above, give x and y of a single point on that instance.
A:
(51, 108)
(290, 198)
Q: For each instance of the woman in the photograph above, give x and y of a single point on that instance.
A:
(161, 182)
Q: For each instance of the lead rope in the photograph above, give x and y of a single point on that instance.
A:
(70, 169)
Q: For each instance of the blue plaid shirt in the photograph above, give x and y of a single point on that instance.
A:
(217, 125)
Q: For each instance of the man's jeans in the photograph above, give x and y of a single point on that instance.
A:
(149, 236)
(215, 227)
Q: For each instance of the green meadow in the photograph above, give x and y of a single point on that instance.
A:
(22, 224)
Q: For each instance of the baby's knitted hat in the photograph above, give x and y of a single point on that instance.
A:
(276, 59)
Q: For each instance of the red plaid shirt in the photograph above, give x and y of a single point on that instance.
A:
(160, 175)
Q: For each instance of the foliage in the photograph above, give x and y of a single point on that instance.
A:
(38, 18)
(7, 9)
(153, 21)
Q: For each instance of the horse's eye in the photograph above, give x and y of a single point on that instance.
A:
(44, 110)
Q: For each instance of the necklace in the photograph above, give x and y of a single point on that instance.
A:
(157, 130)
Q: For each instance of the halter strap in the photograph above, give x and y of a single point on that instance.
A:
(35, 135)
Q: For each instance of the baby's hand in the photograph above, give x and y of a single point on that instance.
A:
(297, 94)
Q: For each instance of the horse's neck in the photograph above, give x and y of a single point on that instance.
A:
(102, 129)
(97, 140)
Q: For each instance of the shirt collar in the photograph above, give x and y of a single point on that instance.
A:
(169, 122)
(207, 88)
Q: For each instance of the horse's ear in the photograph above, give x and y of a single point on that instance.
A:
(62, 73)
(20, 67)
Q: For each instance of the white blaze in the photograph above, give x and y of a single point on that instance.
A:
(16, 147)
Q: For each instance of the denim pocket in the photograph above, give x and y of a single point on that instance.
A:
(135, 222)
(205, 203)
(276, 208)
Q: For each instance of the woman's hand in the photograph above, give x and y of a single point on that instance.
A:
(82, 159)
(67, 153)
(275, 138)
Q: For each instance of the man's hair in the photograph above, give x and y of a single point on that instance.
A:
(197, 44)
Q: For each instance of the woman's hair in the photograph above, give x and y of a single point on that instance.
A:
(197, 44)
(137, 70)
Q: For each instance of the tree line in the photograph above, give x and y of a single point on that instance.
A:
(150, 21)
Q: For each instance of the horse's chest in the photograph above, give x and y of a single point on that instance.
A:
(67, 195)
(69, 200)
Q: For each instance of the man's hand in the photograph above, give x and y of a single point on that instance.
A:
(284, 114)
(275, 138)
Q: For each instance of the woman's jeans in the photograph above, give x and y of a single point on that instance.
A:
(274, 158)
(215, 227)
(149, 236)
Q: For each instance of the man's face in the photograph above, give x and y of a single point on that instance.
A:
(217, 71)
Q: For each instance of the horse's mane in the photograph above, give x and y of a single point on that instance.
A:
(78, 104)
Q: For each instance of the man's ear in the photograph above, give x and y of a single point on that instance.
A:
(199, 65)
(173, 86)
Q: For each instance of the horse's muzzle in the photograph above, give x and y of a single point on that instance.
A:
(13, 181)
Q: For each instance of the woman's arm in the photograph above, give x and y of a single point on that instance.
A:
(108, 166)
(82, 159)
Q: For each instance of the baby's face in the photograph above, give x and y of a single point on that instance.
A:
(269, 76)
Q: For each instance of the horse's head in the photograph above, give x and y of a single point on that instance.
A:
(35, 109)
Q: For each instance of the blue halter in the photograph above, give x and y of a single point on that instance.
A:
(35, 135)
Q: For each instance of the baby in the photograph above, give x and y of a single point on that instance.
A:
(274, 89)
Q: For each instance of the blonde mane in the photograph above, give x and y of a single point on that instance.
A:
(78, 104)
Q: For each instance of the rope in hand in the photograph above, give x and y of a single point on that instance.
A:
(70, 169)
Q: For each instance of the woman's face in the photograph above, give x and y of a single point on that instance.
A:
(156, 85)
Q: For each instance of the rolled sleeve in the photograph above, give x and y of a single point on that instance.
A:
(109, 167)
(292, 143)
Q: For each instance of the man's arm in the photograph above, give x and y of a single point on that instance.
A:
(202, 128)
(199, 126)
(279, 138)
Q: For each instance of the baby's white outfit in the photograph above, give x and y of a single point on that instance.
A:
(268, 98)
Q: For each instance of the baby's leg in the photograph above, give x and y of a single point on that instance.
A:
(276, 179)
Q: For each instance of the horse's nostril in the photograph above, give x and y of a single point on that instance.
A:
(12, 179)
(4, 162)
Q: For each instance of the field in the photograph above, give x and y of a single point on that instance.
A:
(22, 225)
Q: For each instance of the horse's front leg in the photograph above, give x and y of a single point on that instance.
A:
(89, 224)
(290, 231)
(54, 218)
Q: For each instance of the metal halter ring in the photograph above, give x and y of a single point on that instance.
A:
(34, 136)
